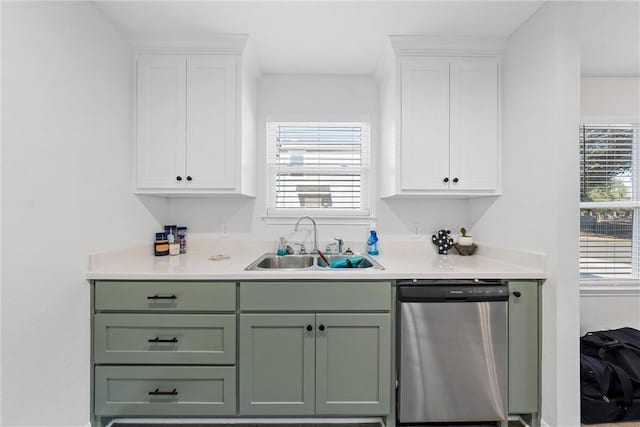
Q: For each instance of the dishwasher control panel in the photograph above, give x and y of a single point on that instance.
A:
(444, 292)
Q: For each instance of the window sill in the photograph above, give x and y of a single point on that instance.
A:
(320, 218)
(608, 287)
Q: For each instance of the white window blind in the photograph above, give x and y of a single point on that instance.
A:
(318, 167)
(610, 201)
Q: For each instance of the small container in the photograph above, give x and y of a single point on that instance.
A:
(174, 249)
(182, 239)
(169, 230)
(372, 241)
(282, 246)
(161, 245)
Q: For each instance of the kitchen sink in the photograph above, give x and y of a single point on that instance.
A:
(367, 262)
(271, 261)
(286, 262)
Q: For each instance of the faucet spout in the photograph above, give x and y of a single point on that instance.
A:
(315, 231)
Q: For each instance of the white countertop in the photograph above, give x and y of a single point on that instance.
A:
(401, 260)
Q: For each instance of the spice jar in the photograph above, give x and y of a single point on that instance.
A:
(161, 245)
(182, 239)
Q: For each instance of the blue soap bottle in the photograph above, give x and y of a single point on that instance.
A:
(372, 242)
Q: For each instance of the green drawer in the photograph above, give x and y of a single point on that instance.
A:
(315, 296)
(206, 339)
(196, 391)
(165, 296)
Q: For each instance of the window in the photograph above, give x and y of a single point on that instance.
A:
(317, 168)
(609, 201)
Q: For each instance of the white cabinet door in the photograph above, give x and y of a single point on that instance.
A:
(211, 118)
(424, 152)
(160, 116)
(474, 125)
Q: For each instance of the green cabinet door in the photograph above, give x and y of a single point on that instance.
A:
(353, 366)
(524, 354)
(276, 364)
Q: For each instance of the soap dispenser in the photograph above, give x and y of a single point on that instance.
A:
(372, 241)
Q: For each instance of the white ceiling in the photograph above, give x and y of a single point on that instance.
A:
(318, 37)
(610, 38)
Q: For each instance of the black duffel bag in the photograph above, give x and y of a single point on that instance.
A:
(605, 391)
(619, 352)
(618, 346)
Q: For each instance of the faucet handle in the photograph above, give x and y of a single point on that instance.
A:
(330, 247)
(302, 250)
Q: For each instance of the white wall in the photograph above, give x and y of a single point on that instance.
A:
(610, 98)
(609, 310)
(539, 207)
(66, 105)
(316, 97)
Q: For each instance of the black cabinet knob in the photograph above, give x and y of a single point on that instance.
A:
(189, 178)
(309, 328)
(454, 179)
(517, 294)
(178, 178)
(321, 327)
(445, 180)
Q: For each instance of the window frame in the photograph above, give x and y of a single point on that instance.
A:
(633, 204)
(323, 215)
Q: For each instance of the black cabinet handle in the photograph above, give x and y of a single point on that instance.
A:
(173, 340)
(178, 178)
(157, 392)
(321, 327)
(309, 328)
(445, 180)
(517, 294)
(455, 180)
(189, 178)
(156, 297)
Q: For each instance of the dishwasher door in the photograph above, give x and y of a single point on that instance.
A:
(452, 362)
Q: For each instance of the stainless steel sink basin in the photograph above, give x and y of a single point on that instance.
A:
(286, 262)
(271, 261)
(367, 262)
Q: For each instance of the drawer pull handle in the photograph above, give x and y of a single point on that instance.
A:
(157, 392)
(173, 340)
(156, 297)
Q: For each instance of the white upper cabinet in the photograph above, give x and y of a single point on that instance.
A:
(424, 153)
(194, 123)
(473, 142)
(440, 118)
(211, 119)
(161, 115)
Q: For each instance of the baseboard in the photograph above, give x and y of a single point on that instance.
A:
(225, 421)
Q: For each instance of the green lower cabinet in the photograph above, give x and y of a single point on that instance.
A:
(277, 359)
(306, 364)
(353, 364)
(524, 348)
(154, 391)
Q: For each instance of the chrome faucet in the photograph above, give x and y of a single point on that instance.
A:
(315, 231)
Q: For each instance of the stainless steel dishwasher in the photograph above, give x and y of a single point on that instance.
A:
(452, 351)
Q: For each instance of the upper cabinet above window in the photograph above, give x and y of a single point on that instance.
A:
(440, 117)
(194, 123)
